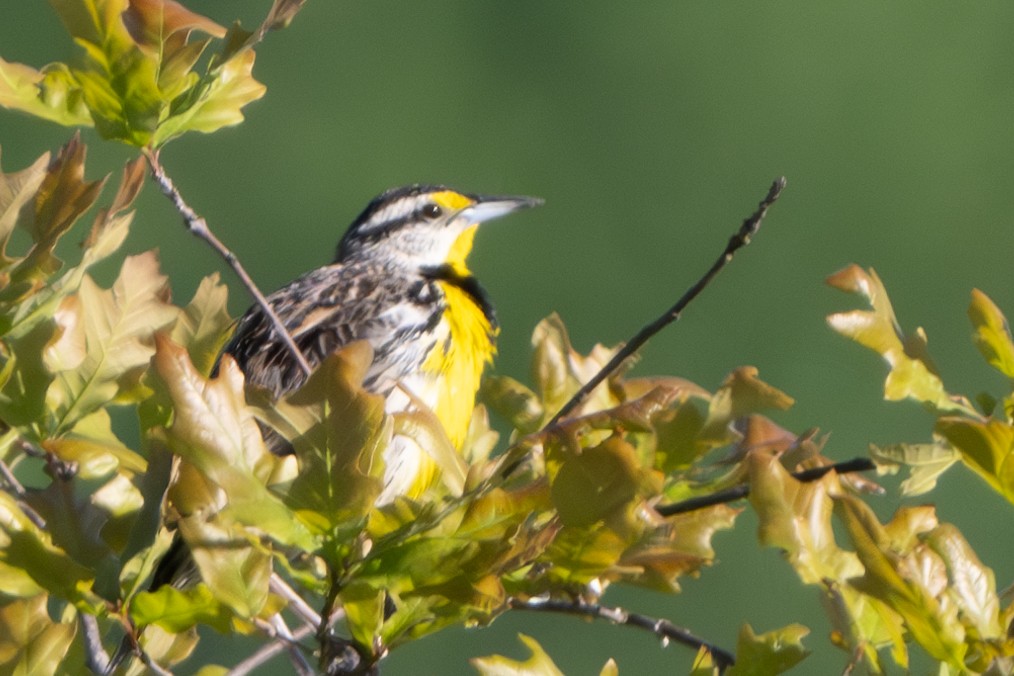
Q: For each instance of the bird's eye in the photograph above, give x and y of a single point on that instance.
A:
(431, 211)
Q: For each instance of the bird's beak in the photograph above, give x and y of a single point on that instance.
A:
(486, 208)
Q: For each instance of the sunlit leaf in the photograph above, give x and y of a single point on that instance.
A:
(912, 373)
(17, 189)
(538, 664)
(987, 447)
(969, 581)
(925, 463)
(772, 652)
(743, 393)
(32, 643)
(992, 333)
(26, 547)
(106, 339)
(215, 432)
(558, 370)
(204, 326)
(517, 404)
(590, 486)
(176, 610)
(48, 94)
(218, 104)
(902, 585)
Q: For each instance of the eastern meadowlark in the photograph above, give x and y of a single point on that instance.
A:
(399, 281)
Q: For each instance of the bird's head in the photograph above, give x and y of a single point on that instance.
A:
(423, 226)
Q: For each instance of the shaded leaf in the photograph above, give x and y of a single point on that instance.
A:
(339, 432)
(25, 547)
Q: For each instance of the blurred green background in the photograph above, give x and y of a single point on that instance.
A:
(651, 129)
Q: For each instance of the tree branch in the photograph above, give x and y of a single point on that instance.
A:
(268, 651)
(736, 242)
(664, 629)
(743, 490)
(96, 657)
(199, 228)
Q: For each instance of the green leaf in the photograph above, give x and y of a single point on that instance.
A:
(205, 324)
(105, 339)
(31, 642)
(992, 333)
(925, 462)
(742, 393)
(912, 373)
(214, 432)
(970, 583)
(597, 482)
(986, 446)
(907, 582)
(514, 402)
(176, 610)
(538, 664)
(558, 370)
(49, 93)
(339, 432)
(26, 547)
(217, 104)
(364, 611)
(17, 190)
(772, 652)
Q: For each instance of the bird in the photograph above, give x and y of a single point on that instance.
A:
(399, 281)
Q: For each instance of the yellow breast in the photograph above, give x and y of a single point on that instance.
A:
(457, 363)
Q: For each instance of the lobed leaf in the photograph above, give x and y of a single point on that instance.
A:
(773, 652)
(912, 373)
(992, 333)
(105, 340)
(537, 664)
(217, 435)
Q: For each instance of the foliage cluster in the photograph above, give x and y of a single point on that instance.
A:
(565, 511)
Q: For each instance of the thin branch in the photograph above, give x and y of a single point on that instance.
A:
(296, 602)
(736, 242)
(199, 228)
(96, 657)
(14, 486)
(743, 490)
(268, 652)
(664, 629)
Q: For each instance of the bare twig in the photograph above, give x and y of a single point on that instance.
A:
(664, 629)
(743, 490)
(14, 486)
(296, 602)
(96, 657)
(736, 242)
(199, 228)
(268, 651)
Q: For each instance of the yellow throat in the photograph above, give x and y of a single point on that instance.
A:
(458, 362)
